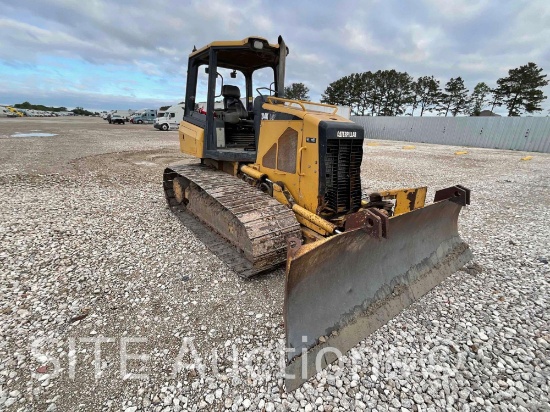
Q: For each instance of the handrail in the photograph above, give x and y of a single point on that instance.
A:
(300, 103)
(300, 161)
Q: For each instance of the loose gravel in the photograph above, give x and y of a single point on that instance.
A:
(90, 258)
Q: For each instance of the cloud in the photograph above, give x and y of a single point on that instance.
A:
(119, 52)
(148, 68)
(459, 10)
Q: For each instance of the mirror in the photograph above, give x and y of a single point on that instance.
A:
(221, 85)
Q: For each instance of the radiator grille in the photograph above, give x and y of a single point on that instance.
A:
(343, 169)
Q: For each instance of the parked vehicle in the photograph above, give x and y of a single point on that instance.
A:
(4, 112)
(171, 119)
(125, 114)
(116, 118)
(15, 112)
(160, 113)
(145, 116)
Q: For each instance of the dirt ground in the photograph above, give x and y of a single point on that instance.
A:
(89, 248)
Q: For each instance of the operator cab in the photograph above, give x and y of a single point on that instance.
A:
(227, 83)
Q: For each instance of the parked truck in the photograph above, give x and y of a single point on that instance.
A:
(4, 112)
(171, 119)
(13, 111)
(145, 116)
(126, 114)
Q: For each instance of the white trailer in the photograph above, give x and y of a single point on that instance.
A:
(123, 113)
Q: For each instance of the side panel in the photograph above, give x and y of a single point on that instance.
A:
(191, 139)
(309, 159)
(270, 153)
(307, 181)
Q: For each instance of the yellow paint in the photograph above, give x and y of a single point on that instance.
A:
(279, 195)
(402, 202)
(304, 184)
(461, 152)
(270, 132)
(231, 43)
(15, 111)
(313, 218)
(312, 226)
(409, 147)
(420, 200)
(527, 158)
(373, 144)
(252, 172)
(191, 139)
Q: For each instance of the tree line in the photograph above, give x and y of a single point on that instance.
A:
(30, 106)
(80, 111)
(393, 93)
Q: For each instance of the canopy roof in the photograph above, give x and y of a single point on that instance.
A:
(240, 54)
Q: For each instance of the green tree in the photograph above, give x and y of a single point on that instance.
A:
(479, 98)
(426, 92)
(521, 90)
(358, 93)
(297, 91)
(27, 105)
(405, 93)
(24, 105)
(384, 93)
(395, 91)
(339, 92)
(455, 97)
(361, 92)
(377, 93)
(497, 99)
(80, 111)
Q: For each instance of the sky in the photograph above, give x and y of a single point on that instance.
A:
(133, 54)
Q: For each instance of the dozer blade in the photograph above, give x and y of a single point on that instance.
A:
(343, 288)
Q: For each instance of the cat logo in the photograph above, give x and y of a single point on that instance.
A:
(341, 133)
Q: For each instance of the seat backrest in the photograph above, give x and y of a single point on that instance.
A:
(232, 101)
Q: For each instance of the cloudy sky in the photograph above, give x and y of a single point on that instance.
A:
(133, 54)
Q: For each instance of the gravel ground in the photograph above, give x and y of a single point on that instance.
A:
(88, 250)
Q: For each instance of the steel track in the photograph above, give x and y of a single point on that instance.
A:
(250, 226)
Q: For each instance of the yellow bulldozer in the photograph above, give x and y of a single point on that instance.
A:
(279, 181)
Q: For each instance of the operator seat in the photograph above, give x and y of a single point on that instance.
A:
(233, 106)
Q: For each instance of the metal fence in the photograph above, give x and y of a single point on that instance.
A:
(512, 133)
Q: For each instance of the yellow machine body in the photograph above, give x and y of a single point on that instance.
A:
(280, 180)
(191, 139)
